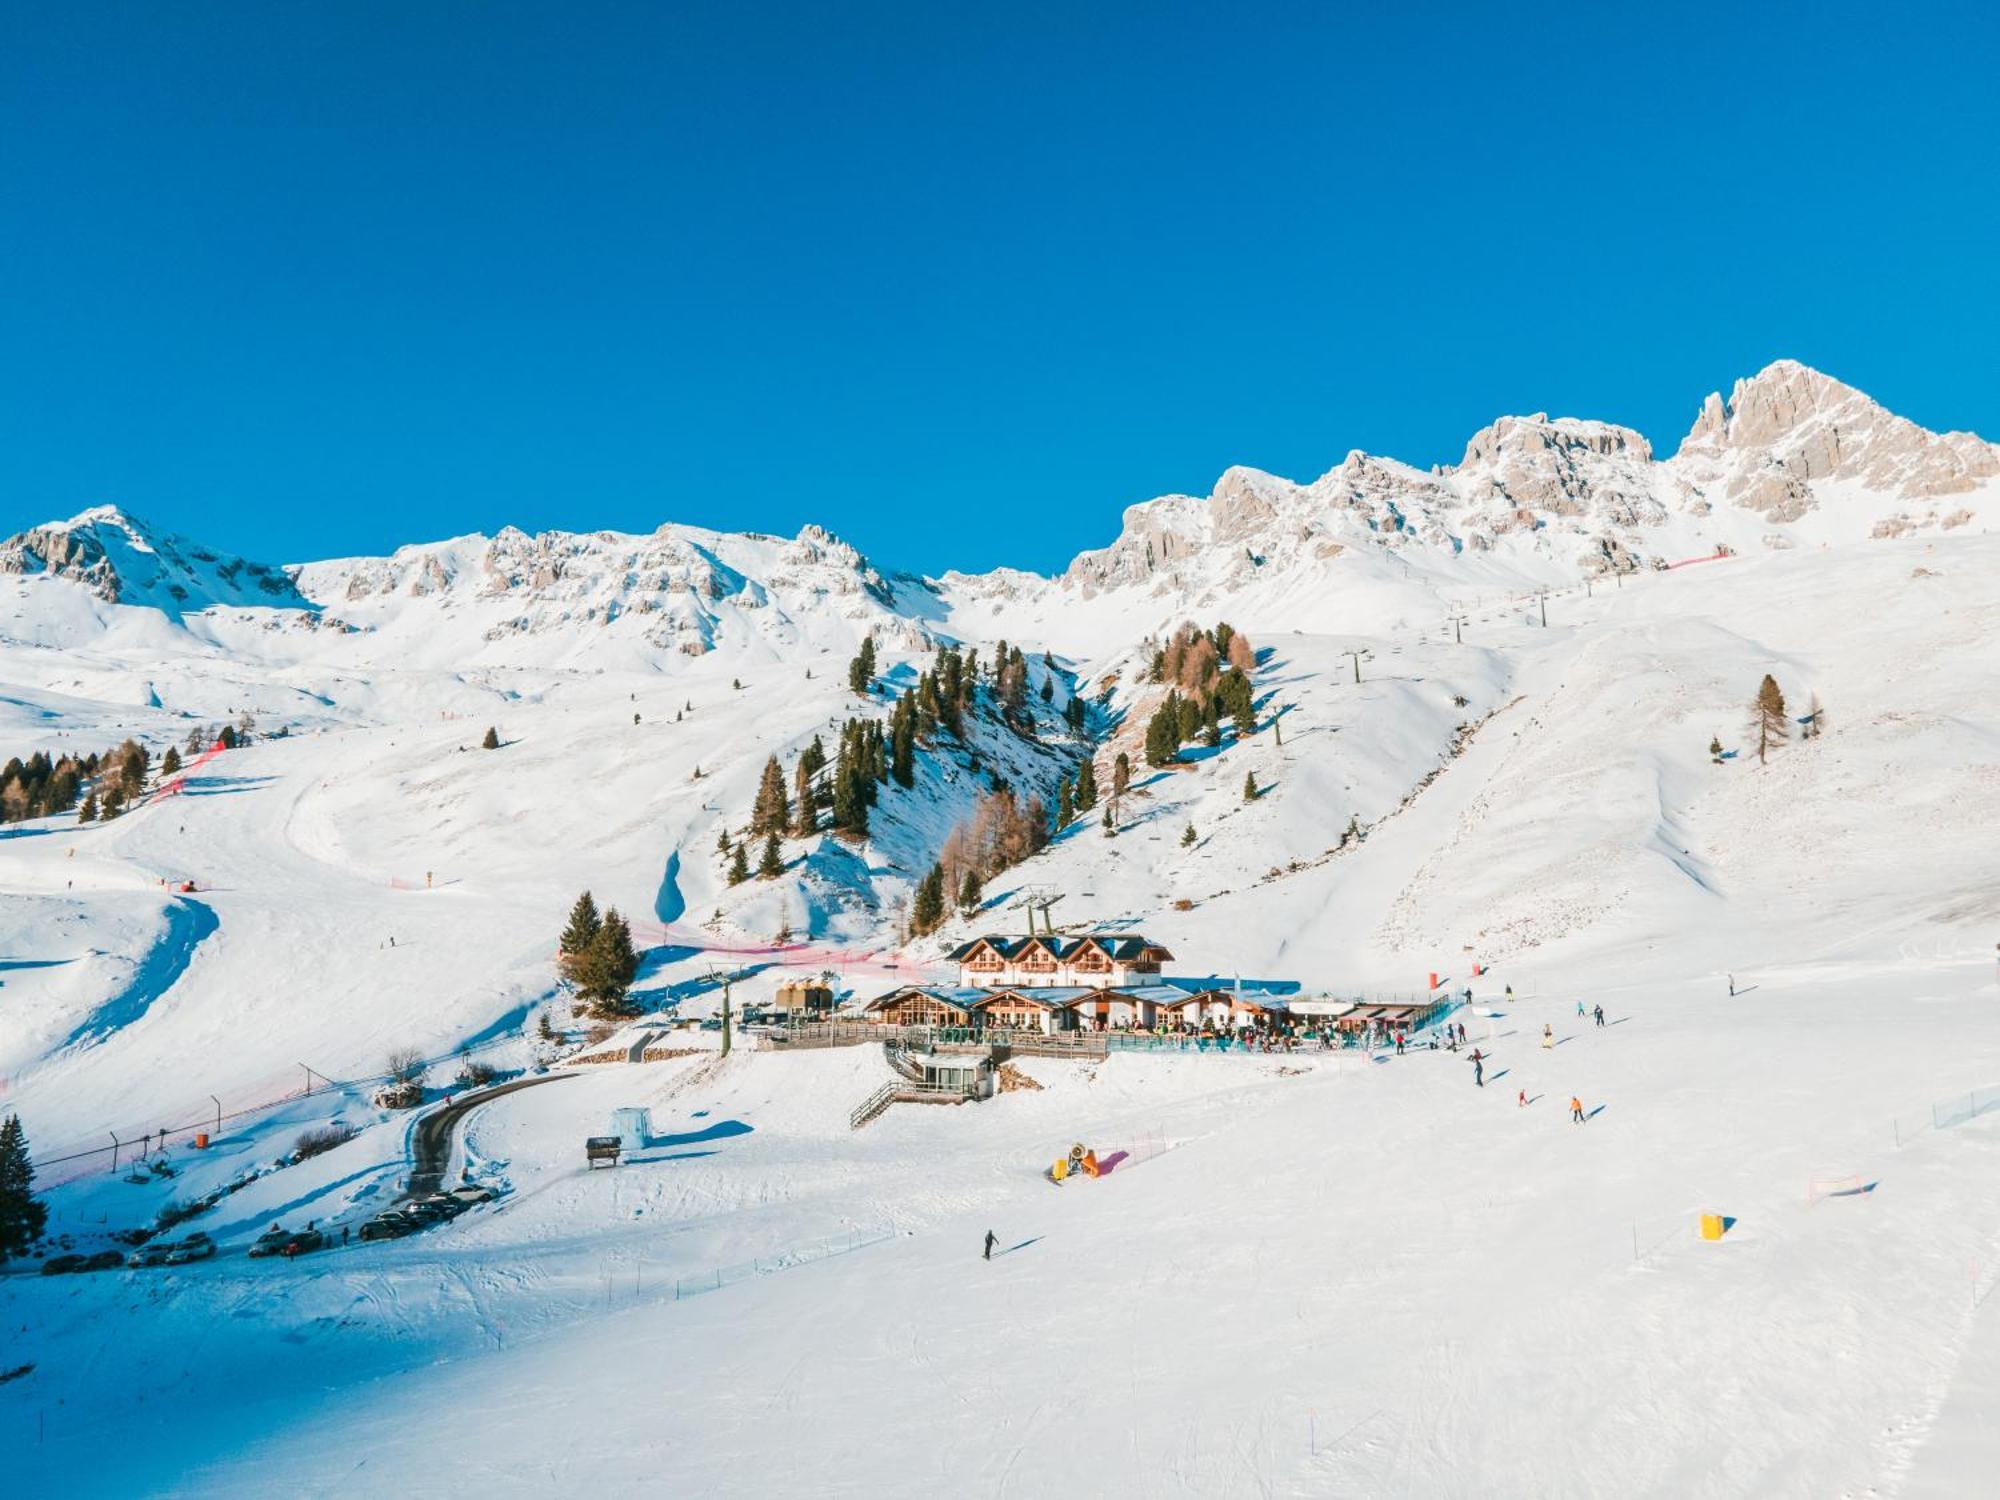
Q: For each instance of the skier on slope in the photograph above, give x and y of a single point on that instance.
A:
(1599, 1014)
(1521, 1099)
(1576, 1109)
(1548, 1037)
(1478, 1070)
(991, 1240)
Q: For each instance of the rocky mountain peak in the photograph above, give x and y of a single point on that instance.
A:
(123, 561)
(1789, 426)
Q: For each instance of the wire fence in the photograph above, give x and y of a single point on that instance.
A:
(1962, 1107)
(718, 1277)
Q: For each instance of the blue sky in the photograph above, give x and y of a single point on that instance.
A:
(957, 281)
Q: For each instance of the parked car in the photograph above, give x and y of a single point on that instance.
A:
(154, 1254)
(301, 1243)
(425, 1211)
(104, 1260)
(445, 1204)
(390, 1224)
(62, 1265)
(713, 1023)
(471, 1195)
(195, 1247)
(270, 1242)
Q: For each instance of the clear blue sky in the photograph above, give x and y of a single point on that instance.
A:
(959, 281)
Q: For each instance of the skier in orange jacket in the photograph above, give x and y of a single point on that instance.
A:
(1576, 1109)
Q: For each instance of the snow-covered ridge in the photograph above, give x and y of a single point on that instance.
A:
(1792, 457)
(123, 561)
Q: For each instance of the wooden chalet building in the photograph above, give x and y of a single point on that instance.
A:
(1096, 960)
(1049, 983)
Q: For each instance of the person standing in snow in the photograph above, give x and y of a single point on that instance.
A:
(1521, 1099)
(1548, 1037)
(1579, 1007)
(991, 1240)
(1478, 1070)
(1576, 1109)
(1510, 994)
(1599, 1014)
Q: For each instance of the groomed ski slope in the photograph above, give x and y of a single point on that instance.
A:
(1370, 1279)
(1340, 1276)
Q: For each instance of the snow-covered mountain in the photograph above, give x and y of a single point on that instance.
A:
(1494, 737)
(123, 561)
(1791, 458)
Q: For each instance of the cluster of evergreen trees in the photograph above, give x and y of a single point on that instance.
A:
(1003, 830)
(596, 955)
(22, 1215)
(950, 690)
(42, 784)
(1201, 694)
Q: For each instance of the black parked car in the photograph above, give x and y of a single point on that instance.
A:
(62, 1265)
(104, 1260)
(390, 1224)
(302, 1242)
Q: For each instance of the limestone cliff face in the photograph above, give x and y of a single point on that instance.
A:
(123, 561)
(1789, 427)
(1789, 446)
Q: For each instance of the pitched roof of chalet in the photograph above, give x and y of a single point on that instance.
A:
(1204, 984)
(1053, 996)
(946, 995)
(1121, 947)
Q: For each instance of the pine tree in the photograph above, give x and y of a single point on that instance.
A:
(114, 801)
(739, 866)
(584, 925)
(805, 820)
(771, 812)
(227, 739)
(492, 740)
(1249, 786)
(969, 893)
(608, 967)
(861, 670)
(1086, 787)
(88, 812)
(1211, 734)
(1715, 749)
(1187, 836)
(195, 743)
(1767, 718)
(170, 764)
(1110, 819)
(928, 909)
(1121, 774)
(850, 801)
(772, 861)
(903, 742)
(1065, 805)
(22, 1216)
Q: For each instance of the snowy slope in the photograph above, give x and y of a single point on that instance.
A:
(1317, 1277)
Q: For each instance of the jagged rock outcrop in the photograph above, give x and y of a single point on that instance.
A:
(1789, 427)
(122, 561)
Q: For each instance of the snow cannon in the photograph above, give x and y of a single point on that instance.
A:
(1434, 979)
(1713, 1226)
